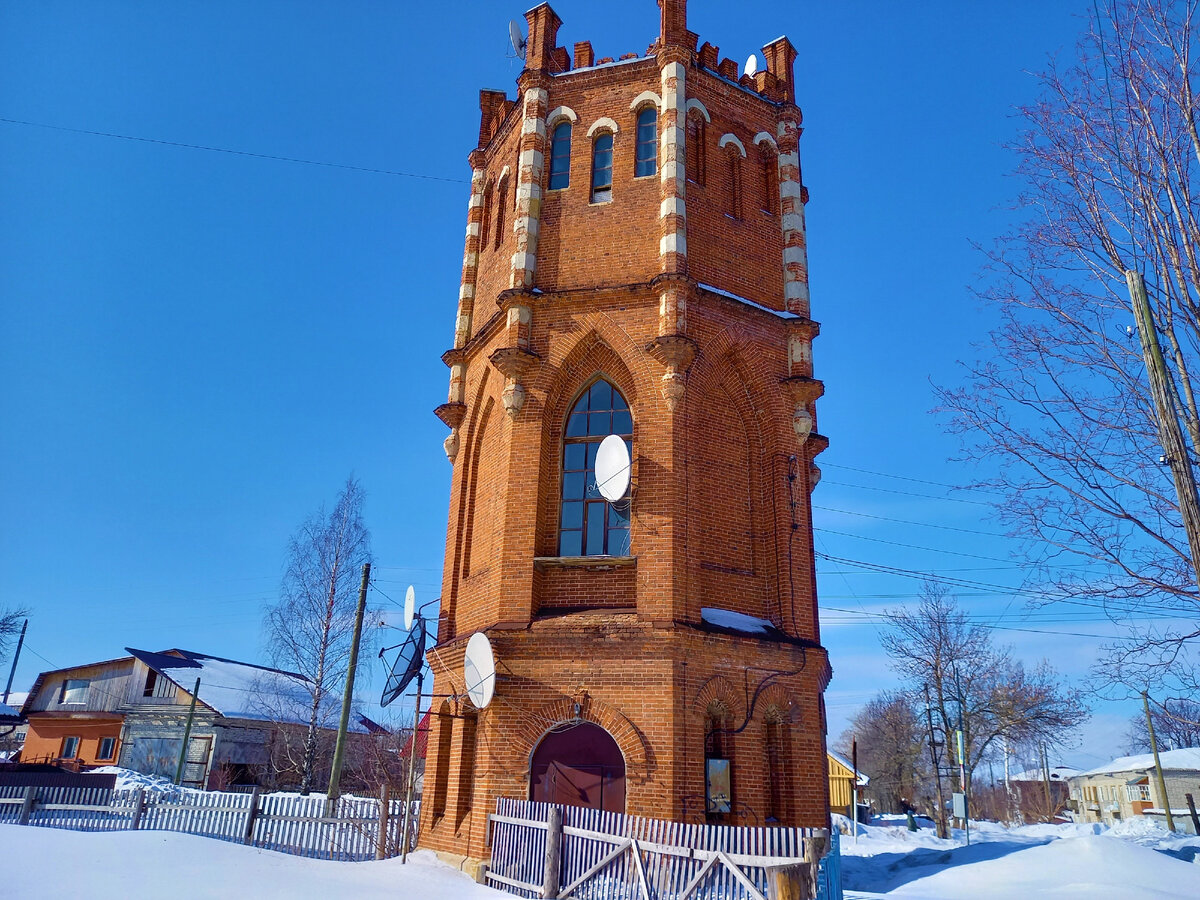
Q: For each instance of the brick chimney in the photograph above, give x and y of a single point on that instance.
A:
(543, 38)
(673, 31)
(780, 55)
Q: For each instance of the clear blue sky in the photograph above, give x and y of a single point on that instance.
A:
(196, 348)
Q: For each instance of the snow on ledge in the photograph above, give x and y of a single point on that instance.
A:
(736, 621)
(779, 314)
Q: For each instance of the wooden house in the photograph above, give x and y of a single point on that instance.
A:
(841, 785)
(133, 712)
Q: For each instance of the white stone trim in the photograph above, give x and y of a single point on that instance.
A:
(604, 123)
(673, 243)
(763, 136)
(504, 173)
(727, 139)
(789, 188)
(561, 112)
(472, 229)
(696, 104)
(643, 98)
(794, 255)
(672, 206)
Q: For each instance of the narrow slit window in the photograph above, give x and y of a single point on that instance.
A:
(770, 190)
(646, 157)
(501, 206)
(602, 168)
(560, 157)
(486, 214)
(735, 184)
(694, 149)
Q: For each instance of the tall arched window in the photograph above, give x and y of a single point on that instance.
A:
(486, 214)
(768, 178)
(646, 157)
(718, 765)
(589, 524)
(602, 165)
(501, 206)
(560, 157)
(734, 162)
(694, 148)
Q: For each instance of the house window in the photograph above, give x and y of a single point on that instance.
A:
(74, 690)
(70, 748)
(107, 746)
(602, 167)
(151, 681)
(694, 149)
(646, 157)
(589, 524)
(560, 157)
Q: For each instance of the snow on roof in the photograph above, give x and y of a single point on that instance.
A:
(235, 689)
(863, 778)
(9, 712)
(1187, 758)
(1057, 773)
(736, 621)
(16, 699)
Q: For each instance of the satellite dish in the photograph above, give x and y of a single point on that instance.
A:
(752, 65)
(516, 38)
(612, 468)
(406, 666)
(479, 670)
(410, 607)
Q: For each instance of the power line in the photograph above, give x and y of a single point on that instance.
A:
(953, 487)
(867, 487)
(270, 156)
(863, 537)
(850, 512)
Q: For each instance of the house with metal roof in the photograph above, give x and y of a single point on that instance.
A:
(1127, 787)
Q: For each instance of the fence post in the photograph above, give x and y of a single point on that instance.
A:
(554, 824)
(139, 807)
(381, 842)
(1192, 811)
(794, 882)
(251, 816)
(27, 800)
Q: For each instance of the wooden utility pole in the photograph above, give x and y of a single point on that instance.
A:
(1158, 772)
(1046, 784)
(339, 751)
(412, 763)
(187, 734)
(16, 656)
(937, 772)
(1170, 435)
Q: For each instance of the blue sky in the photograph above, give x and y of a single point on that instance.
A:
(196, 348)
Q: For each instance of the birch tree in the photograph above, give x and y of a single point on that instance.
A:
(310, 627)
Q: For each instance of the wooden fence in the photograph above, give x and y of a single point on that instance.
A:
(348, 829)
(540, 850)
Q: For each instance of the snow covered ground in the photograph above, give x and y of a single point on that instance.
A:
(122, 864)
(1135, 861)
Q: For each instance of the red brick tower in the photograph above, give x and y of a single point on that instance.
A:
(635, 264)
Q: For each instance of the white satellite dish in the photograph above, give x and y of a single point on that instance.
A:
(479, 670)
(752, 65)
(516, 38)
(410, 607)
(612, 468)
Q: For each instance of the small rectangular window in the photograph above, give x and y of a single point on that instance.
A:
(151, 681)
(560, 157)
(74, 690)
(107, 746)
(70, 748)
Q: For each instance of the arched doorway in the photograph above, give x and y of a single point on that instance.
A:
(578, 765)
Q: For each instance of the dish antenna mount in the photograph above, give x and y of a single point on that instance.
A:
(479, 670)
(752, 65)
(407, 664)
(517, 38)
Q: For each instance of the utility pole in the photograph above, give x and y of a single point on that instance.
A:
(187, 734)
(412, 764)
(1046, 783)
(854, 791)
(1158, 772)
(16, 656)
(1170, 435)
(335, 776)
(937, 772)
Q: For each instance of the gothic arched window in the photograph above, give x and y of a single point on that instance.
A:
(560, 157)
(589, 525)
(646, 155)
(602, 167)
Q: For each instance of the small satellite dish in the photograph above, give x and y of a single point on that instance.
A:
(479, 670)
(752, 65)
(410, 607)
(407, 664)
(612, 468)
(516, 38)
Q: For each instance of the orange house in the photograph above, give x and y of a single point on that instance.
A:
(73, 714)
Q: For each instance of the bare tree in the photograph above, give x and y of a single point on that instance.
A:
(10, 627)
(310, 628)
(1110, 163)
(892, 752)
(1176, 725)
(973, 686)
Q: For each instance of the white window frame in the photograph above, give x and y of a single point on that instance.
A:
(71, 688)
(112, 753)
(74, 748)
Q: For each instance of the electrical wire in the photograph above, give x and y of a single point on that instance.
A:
(270, 156)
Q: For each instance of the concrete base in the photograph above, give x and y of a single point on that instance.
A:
(473, 867)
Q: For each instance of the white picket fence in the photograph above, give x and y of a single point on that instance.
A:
(608, 856)
(348, 829)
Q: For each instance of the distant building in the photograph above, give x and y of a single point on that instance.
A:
(1128, 787)
(132, 711)
(841, 785)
